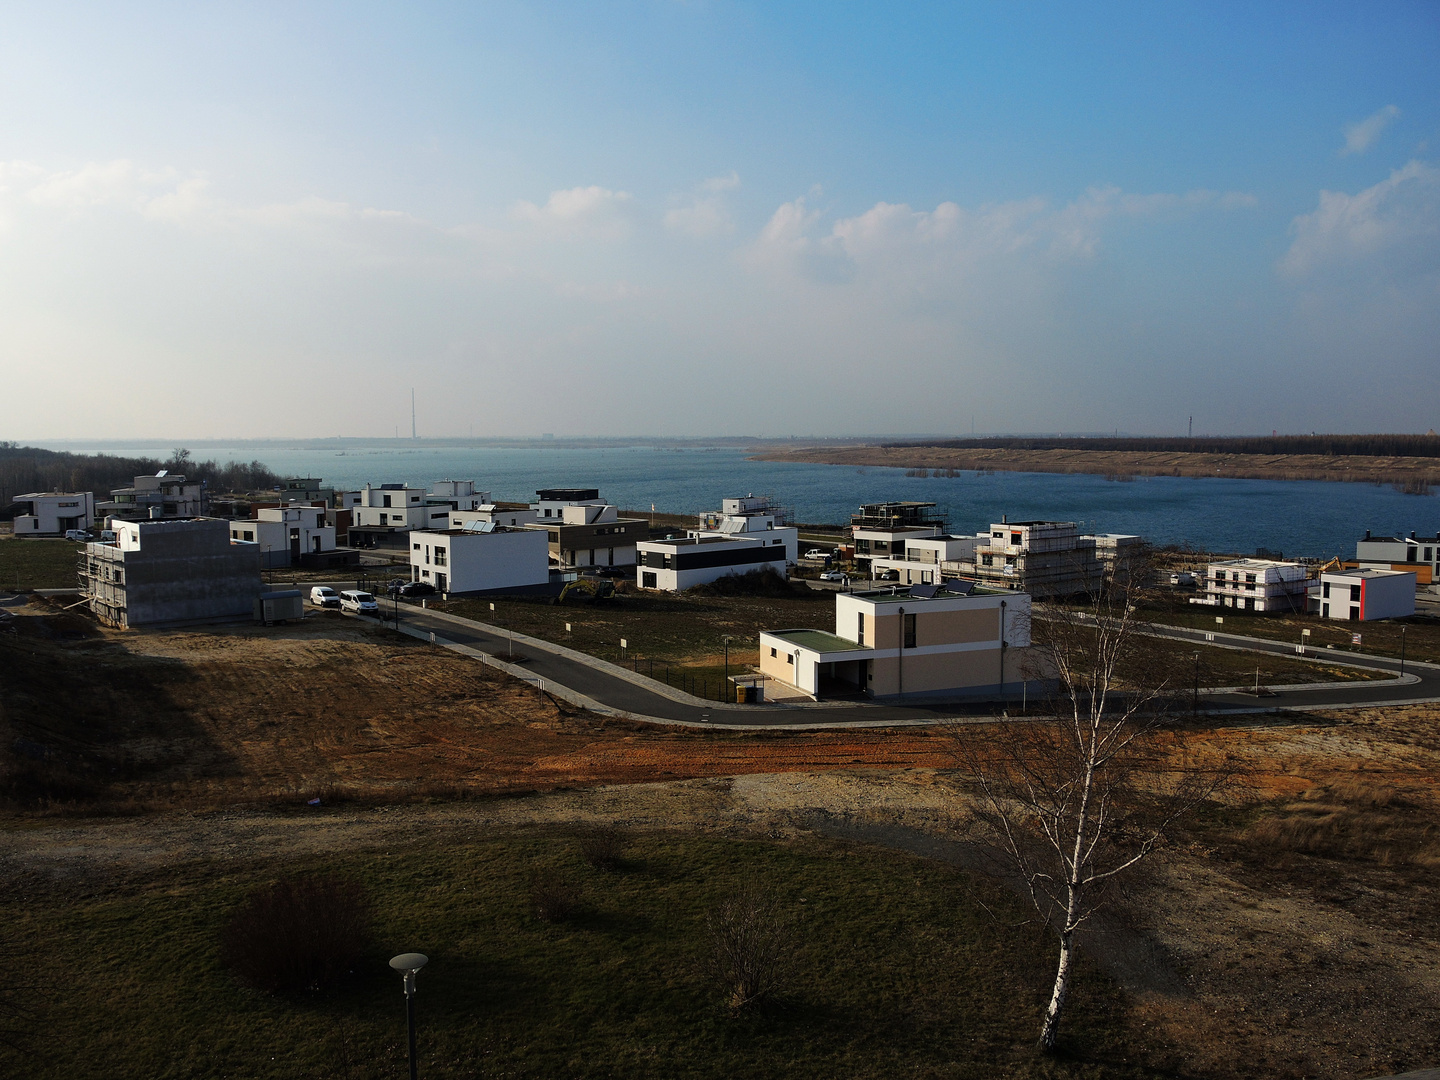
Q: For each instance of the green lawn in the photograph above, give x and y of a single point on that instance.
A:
(37, 564)
(902, 973)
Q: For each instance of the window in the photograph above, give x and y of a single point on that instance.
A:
(383, 518)
(1250, 578)
(547, 511)
(386, 500)
(909, 631)
(439, 556)
(997, 536)
(772, 650)
(860, 632)
(1354, 612)
(1325, 590)
(1325, 611)
(1428, 554)
(250, 535)
(789, 659)
(416, 547)
(1354, 593)
(649, 581)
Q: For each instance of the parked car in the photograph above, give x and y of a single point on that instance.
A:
(107, 536)
(816, 553)
(416, 588)
(887, 575)
(324, 596)
(80, 536)
(1183, 578)
(362, 603)
(834, 575)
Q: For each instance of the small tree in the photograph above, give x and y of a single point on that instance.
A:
(1072, 802)
(755, 944)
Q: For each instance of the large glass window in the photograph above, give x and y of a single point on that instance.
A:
(909, 631)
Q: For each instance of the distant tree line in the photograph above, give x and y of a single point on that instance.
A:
(1427, 446)
(24, 469)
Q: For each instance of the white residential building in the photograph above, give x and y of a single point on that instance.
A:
(457, 495)
(585, 530)
(1255, 585)
(1366, 595)
(161, 497)
(750, 516)
(550, 503)
(675, 565)
(881, 530)
(485, 559)
(396, 508)
(53, 513)
(928, 560)
(287, 535)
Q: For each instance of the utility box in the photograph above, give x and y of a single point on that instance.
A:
(273, 607)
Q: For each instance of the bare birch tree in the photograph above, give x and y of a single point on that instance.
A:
(1072, 801)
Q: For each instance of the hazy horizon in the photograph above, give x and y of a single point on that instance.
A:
(744, 219)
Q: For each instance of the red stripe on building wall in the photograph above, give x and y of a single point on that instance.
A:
(1363, 583)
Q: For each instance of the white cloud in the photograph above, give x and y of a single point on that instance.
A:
(889, 234)
(1396, 221)
(706, 213)
(1361, 135)
(581, 211)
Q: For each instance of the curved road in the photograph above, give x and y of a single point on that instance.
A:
(615, 689)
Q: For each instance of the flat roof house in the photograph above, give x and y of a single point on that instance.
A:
(933, 641)
(291, 536)
(381, 513)
(678, 564)
(54, 513)
(928, 560)
(1047, 559)
(162, 497)
(483, 559)
(1367, 595)
(750, 516)
(584, 530)
(170, 572)
(1255, 585)
(1420, 554)
(880, 529)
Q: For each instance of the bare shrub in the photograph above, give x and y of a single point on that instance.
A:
(300, 933)
(755, 946)
(603, 848)
(553, 897)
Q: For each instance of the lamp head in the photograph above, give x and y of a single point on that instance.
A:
(409, 962)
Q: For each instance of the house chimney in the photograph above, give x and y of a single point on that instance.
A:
(1367, 534)
(1004, 519)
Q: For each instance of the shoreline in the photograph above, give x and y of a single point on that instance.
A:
(1407, 473)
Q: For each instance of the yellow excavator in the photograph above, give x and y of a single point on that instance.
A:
(587, 589)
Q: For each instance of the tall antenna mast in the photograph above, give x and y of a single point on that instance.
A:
(412, 413)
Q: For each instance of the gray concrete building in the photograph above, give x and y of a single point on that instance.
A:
(157, 572)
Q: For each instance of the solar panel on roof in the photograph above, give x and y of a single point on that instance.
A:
(480, 526)
(960, 587)
(924, 592)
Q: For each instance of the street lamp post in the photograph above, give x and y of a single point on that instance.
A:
(1195, 697)
(409, 965)
(1402, 650)
(727, 639)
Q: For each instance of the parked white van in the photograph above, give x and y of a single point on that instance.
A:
(80, 536)
(362, 603)
(324, 596)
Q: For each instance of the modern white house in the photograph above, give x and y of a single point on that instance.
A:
(457, 495)
(1255, 585)
(1365, 595)
(1419, 554)
(395, 508)
(922, 560)
(482, 559)
(287, 535)
(170, 572)
(959, 640)
(677, 564)
(550, 503)
(54, 513)
(750, 516)
(161, 497)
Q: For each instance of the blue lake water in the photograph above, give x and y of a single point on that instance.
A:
(1296, 517)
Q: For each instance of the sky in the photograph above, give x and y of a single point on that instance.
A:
(707, 218)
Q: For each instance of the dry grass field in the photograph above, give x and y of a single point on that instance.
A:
(1292, 932)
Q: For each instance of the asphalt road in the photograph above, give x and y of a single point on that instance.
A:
(620, 693)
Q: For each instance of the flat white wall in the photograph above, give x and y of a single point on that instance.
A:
(1386, 596)
(480, 562)
(50, 510)
(676, 580)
